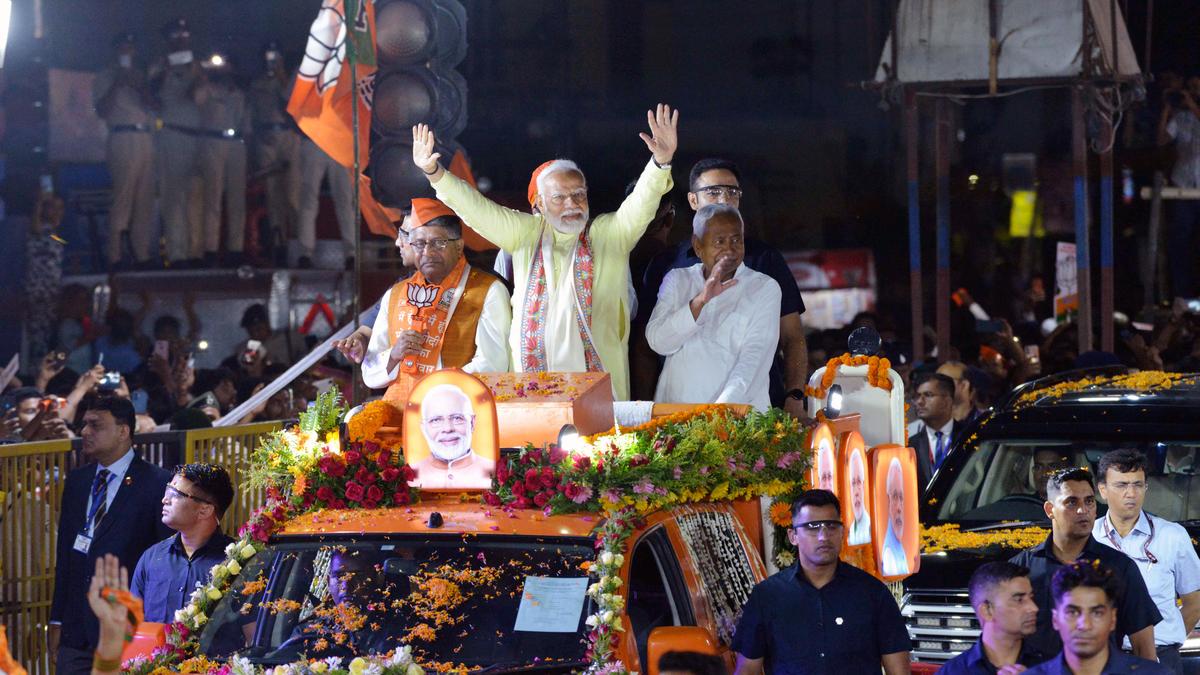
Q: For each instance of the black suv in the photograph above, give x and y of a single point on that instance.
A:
(988, 481)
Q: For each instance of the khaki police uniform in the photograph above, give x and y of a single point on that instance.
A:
(118, 97)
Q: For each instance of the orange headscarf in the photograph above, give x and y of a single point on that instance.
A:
(533, 189)
(425, 210)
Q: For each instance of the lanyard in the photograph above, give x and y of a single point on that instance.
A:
(1108, 531)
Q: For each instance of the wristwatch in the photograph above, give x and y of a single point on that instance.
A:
(797, 394)
(661, 166)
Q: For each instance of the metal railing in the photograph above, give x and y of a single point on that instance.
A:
(32, 477)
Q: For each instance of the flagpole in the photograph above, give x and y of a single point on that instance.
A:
(357, 391)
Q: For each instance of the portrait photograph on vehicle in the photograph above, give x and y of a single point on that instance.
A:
(824, 471)
(856, 490)
(897, 525)
(451, 437)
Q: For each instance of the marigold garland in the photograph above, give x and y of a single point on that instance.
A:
(708, 409)
(1148, 380)
(366, 423)
(950, 537)
(877, 373)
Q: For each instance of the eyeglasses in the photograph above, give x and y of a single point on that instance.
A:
(578, 196)
(815, 526)
(172, 493)
(734, 241)
(435, 244)
(451, 420)
(1124, 486)
(718, 191)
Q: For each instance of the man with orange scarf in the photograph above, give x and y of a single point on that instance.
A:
(446, 315)
(571, 271)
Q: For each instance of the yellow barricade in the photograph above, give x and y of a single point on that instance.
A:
(32, 476)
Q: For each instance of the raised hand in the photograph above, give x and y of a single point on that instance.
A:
(663, 138)
(109, 578)
(715, 285)
(423, 151)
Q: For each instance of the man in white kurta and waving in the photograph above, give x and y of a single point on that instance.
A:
(571, 271)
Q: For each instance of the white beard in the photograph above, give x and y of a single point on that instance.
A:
(449, 453)
(573, 227)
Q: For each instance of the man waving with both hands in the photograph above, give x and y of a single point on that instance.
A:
(570, 306)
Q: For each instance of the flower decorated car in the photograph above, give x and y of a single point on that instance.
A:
(595, 556)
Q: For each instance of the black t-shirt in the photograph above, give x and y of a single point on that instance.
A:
(1135, 607)
(846, 626)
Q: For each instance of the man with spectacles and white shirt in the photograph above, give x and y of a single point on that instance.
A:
(1161, 548)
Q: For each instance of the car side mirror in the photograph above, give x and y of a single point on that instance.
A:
(677, 639)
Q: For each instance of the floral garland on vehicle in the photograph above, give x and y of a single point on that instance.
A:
(877, 373)
(303, 469)
(1147, 380)
(706, 454)
(950, 537)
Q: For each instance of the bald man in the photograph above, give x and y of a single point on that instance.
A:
(895, 560)
(448, 424)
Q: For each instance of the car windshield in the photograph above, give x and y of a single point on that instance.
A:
(459, 602)
(1005, 479)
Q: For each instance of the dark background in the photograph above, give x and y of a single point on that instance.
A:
(771, 85)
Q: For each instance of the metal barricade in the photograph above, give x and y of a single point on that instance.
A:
(32, 477)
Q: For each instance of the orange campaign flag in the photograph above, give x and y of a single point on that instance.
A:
(324, 92)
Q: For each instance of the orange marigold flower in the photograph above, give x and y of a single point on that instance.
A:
(781, 514)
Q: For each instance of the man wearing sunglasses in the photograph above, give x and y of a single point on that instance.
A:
(169, 571)
(849, 621)
(1161, 548)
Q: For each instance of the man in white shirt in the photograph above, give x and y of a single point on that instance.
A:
(860, 528)
(446, 315)
(1161, 548)
(716, 322)
(895, 558)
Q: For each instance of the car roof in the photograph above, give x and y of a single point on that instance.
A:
(1108, 386)
(457, 518)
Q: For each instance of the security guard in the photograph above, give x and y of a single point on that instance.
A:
(122, 98)
(223, 121)
(277, 145)
(175, 80)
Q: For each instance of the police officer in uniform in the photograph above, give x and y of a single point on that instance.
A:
(122, 98)
(175, 80)
(315, 166)
(277, 145)
(223, 121)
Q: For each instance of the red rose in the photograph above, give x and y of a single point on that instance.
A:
(364, 476)
(401, 498)
(532, 486)
(353, 457)
(557, 454)
(374, 494)
(534, 457)
(390, 474)
(548, 477)
(520, 503)
(540, 499)
(409, 473)
(337, 504)
(518, 489)
(502, 472)
(491, 499)
(531, 475)
(384, 457)
(324, 494)
(582, 462)
(331, 465)
(370, 504)
(571, 490)
(354, 491)
(370, 447)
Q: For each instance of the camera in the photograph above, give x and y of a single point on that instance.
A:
(109, 381)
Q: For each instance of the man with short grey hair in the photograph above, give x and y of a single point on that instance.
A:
(716, 322)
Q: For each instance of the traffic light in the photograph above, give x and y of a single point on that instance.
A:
(418, 43)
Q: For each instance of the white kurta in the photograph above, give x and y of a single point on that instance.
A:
(491, 348)
(725, 355)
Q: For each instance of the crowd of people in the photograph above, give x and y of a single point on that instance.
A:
(179, 127)
(1110, 594)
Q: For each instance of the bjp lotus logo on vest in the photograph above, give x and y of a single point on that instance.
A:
(421, 296)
